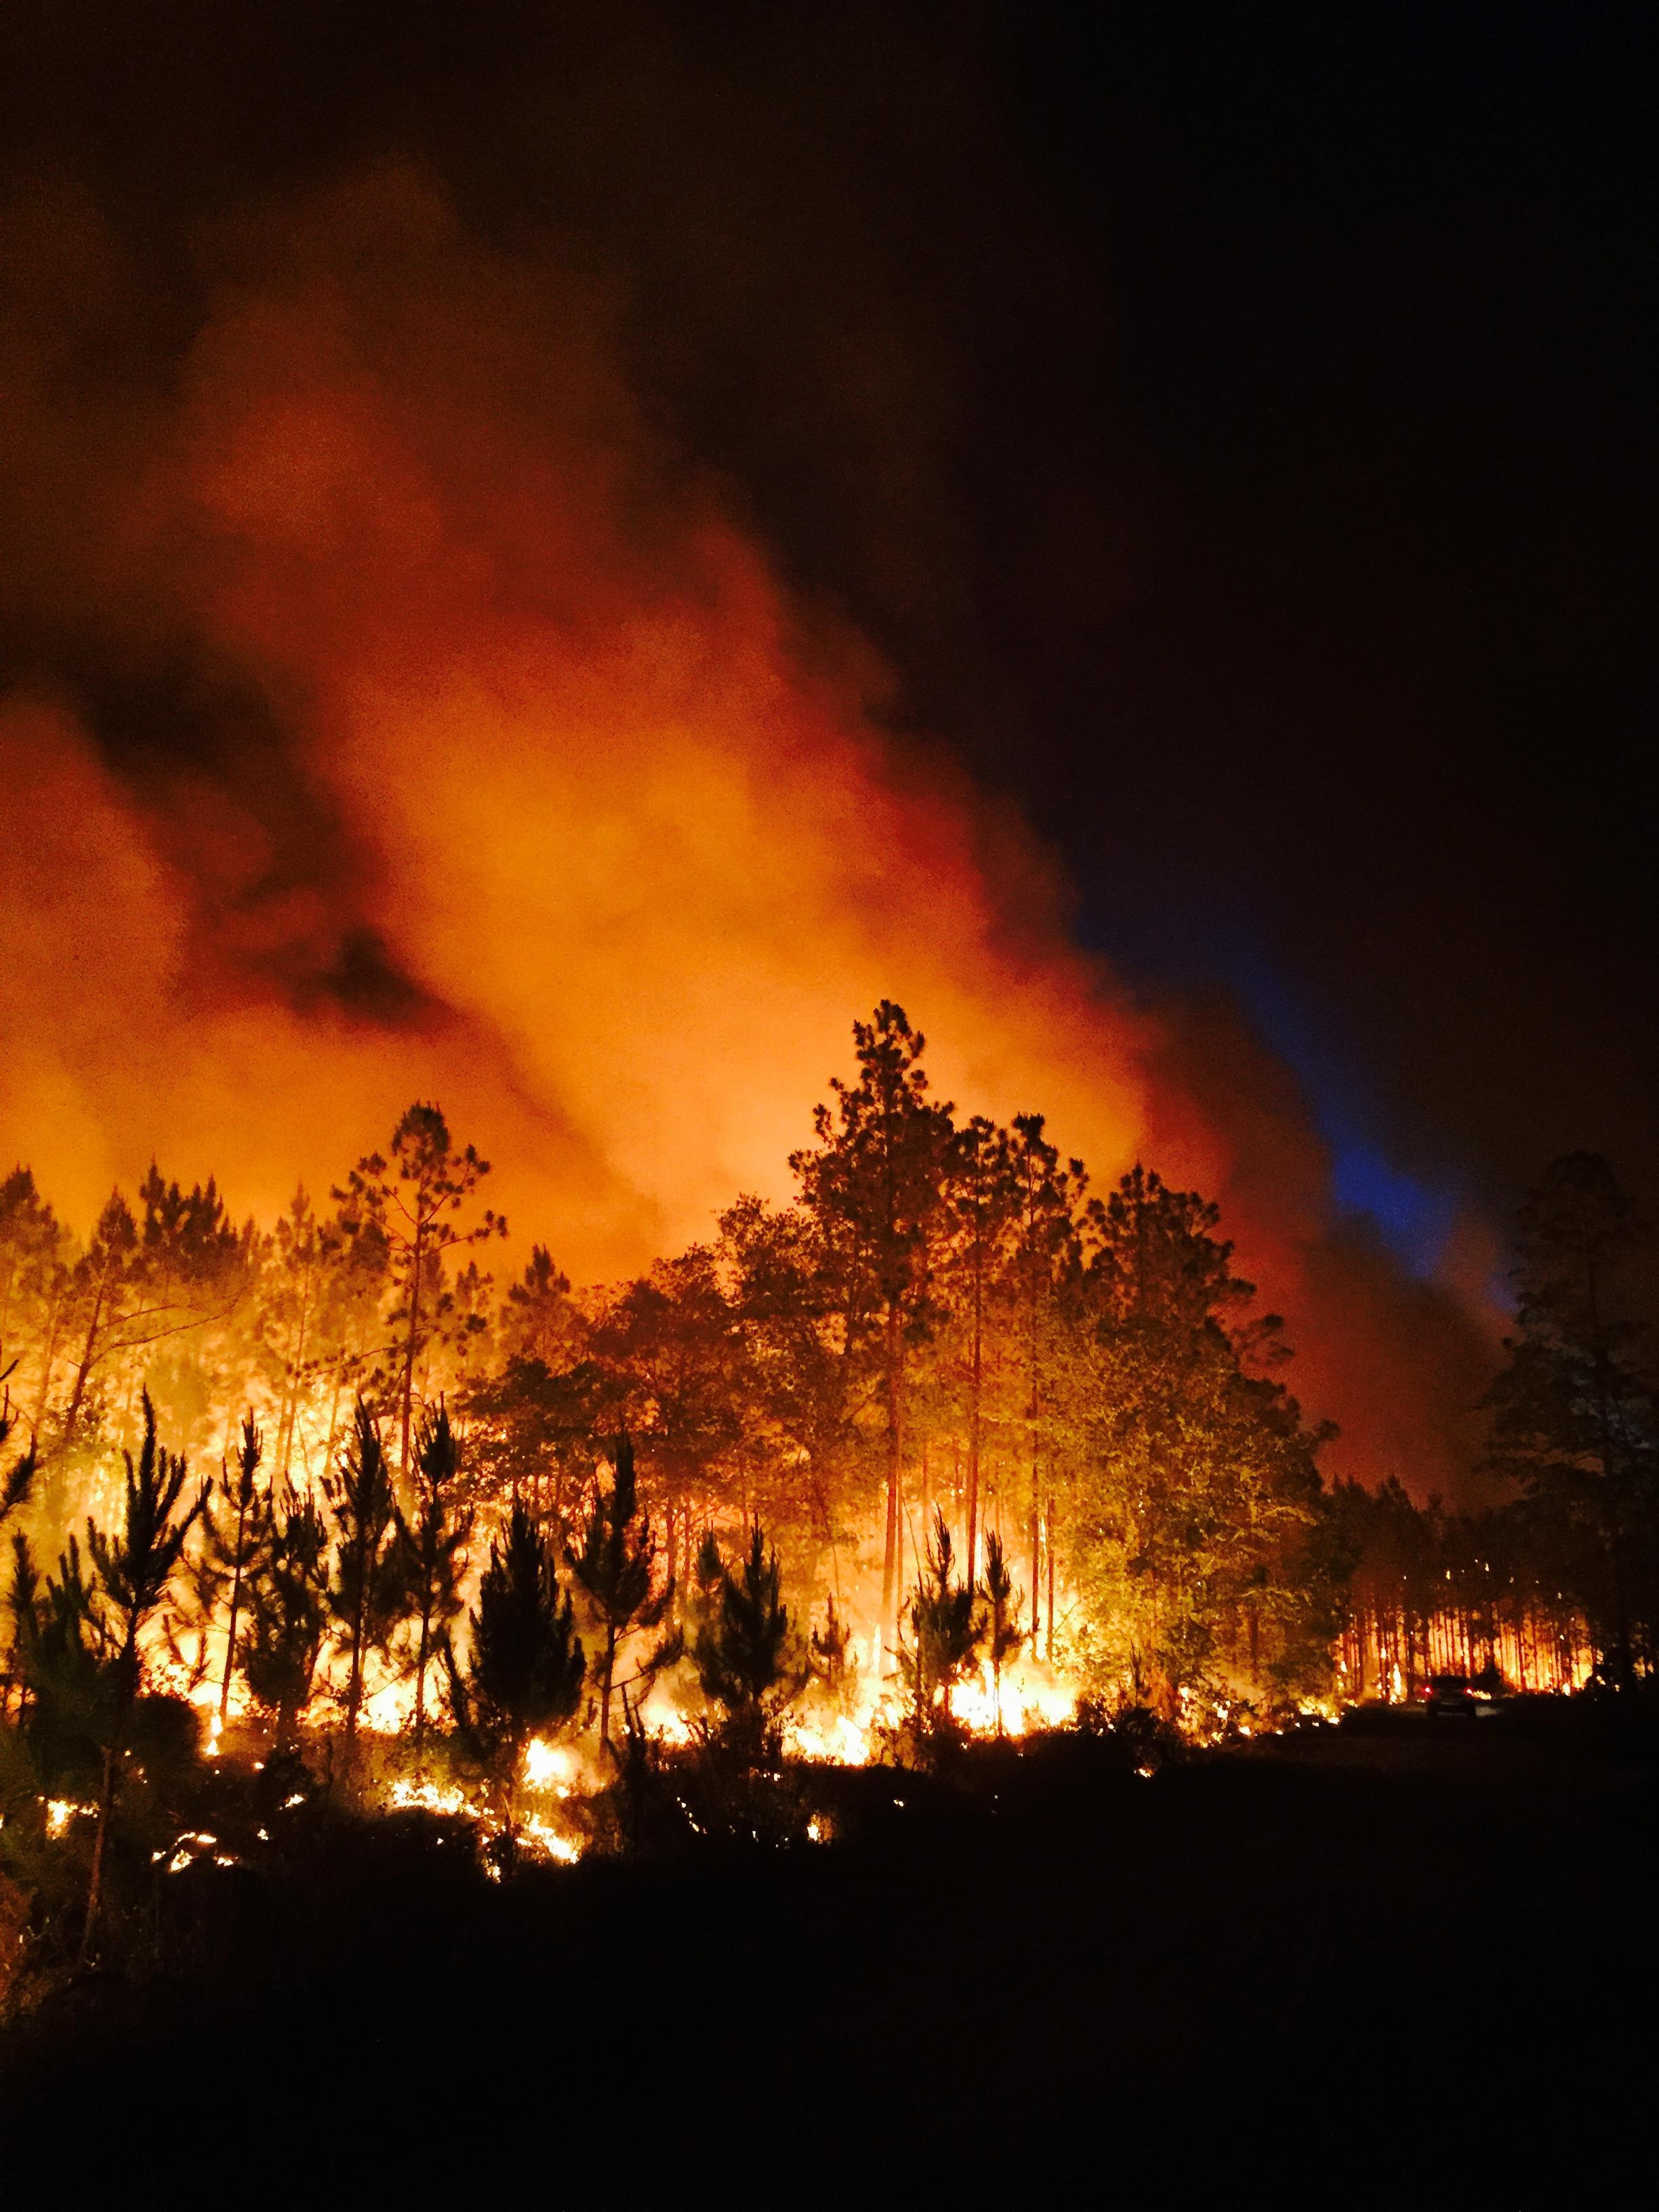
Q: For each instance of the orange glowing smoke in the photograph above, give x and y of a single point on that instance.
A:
(616, 816)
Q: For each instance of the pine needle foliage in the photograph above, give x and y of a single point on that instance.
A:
(829, 1651)
(134, 1565)
(18, 1480)
(747, 1651)
(234, 1546)
(525, 1665)
(615, 1567)
(1002, 1632)
(945, 1632)
(365, 1597)
(288, 1613)
(432, 1548)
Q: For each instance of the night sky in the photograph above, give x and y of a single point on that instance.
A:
(1233, 428)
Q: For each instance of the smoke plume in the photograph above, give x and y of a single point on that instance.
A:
(398, 712)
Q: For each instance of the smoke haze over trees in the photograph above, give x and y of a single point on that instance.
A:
(457, 575)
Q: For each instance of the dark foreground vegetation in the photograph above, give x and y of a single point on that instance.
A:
(1320, 1970)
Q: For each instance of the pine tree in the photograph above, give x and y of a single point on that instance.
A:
(946, 1632)
(984, 1201)
(540, 1320)
(874, 1185)
(432, 1541)
(1575, 1415)
(1194, 1486)
(17, 1482)
(22, 1590)
(525, 1665)
(410, 1200)
(616, 1567)
(61, 1641)
(746, 1650)
(365, 1598)
(132, 1569)
(165, 1272)
(33, 1278)
(233, 1548)
(1002, 1634)
(287, 1593)
(1047, 1196)
(671, 1343)
(829, 1650)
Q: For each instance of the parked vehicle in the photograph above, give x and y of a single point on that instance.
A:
(1450, 1696)
(1455, 1697)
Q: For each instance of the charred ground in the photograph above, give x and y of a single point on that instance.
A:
(1377, 1967)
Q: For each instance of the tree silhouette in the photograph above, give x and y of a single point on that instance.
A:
(365, 1598)
(232, 1548)
(874, 1184)
(829, 1649)
(288, 1612)
(1046, 1199)
(410, 1200)
(525, 1665)
(1003, 1634)
(1575, 1413)
(17, 1482)
(432, 1543)
(945, 1632)
(615, 1567)
(984, 1203)
(746, 1651)
(131, 1569)
(177, 1265)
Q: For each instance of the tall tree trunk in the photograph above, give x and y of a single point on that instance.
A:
(895, 1388)
(974, 1389)
(235, 1607)
(95, 1887)
(604, 1685)
(415, 1259)
(355, 1683)
(291, 1396)
(48, 1359)
(334, 1414)
(423, 1661)
(88, 1353)
(1051, 1581)
(1037, 1555)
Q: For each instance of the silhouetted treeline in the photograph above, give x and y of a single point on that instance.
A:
(946, 1321)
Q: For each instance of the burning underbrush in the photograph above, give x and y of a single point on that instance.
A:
(208, 1823)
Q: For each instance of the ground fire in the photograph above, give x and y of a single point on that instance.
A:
(945, 1447)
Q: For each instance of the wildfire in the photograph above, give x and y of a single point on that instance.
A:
(1028, 1698)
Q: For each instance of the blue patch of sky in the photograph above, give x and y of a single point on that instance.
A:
(1413, 1216)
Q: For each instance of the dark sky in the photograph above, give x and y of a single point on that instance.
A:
(1236, 428)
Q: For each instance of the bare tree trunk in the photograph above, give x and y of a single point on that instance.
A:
(604, 1685)
(235, 1607)
(1036, 1557)
(291, 1398)
(974, 1388)
(88, 1353)
(94, 1887)
(421, 1662)
(408, 1353)
(1051, 1581)
(355, 1684)
(48, 1359)
(334, 1415)
(890, 1568)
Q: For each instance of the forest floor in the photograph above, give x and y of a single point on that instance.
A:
(1355, 1968)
